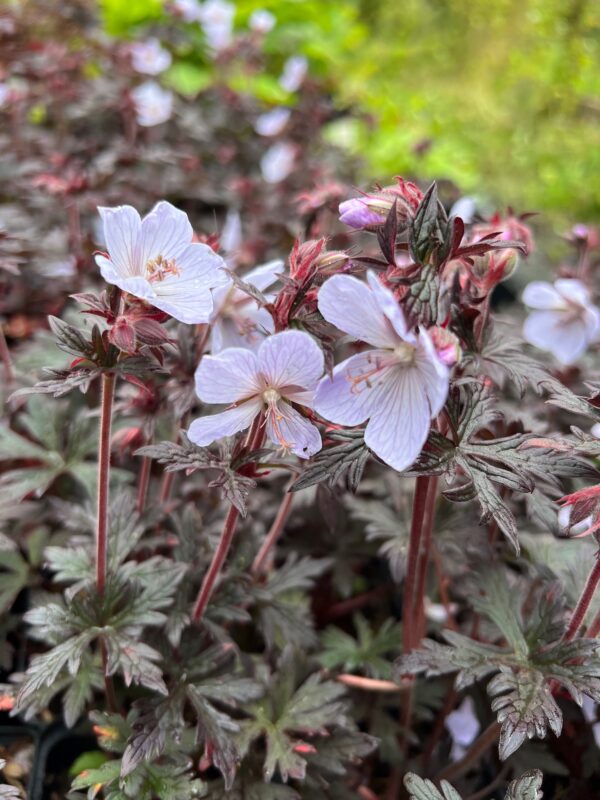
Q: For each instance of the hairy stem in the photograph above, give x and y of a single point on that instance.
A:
(108, 391)
(143, 483)
(584, 603)
(283, 512)
(253, 442)
(220, 554)
(423, 562)
(410, 605)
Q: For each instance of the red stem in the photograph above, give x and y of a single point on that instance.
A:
(208, 584)
(594, 628)
(9, 374)
(409, 607)
(483, 742)
(584, 603)
(283, 512)
(253, 442)
(108, 391)
(423, 563)
(144, 480)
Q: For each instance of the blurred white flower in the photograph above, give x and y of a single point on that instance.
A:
(564, 522)
(271, 123)
(216, 19)
(278, 162)
(463, 726)
(595, 430)
(464, 208)
(189, 10)
(237, 319)
(231, 235)
(149, 57)
(59, 269)
(565, 321)
(4, 93)
(294, 72)
(261, 21)
(153, 104)
(590, 712)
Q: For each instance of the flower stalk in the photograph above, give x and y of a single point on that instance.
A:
(584, 602)
(417, 563)
(108, 392)
(283, 512)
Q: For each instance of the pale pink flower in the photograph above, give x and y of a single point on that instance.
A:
(238, 320)
(398, 387)
(284, 370)
(155, 259)
(463, 726)
(565, 321)
(261, 21)
(153, 104)
(149, 57)
(188, 10)
(278, 162)
(216, 18)
(272, 123)
(294, 73)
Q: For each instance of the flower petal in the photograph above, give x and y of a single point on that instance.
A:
(290, 358)
(206, 430)
(228, 377)
(344, 400)
(573, 290)
(187, 296)
(399, 426)
(289, 429)
(350, 305)
(540, 327)
(122, 232)
(389, 307)
(248, 330)
(434, 373)
(542, 295)
(166, 231)
(139, 287)
(265, 275)
(570, 342)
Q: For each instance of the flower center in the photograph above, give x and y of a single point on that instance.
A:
(159, 268)
(403, 355)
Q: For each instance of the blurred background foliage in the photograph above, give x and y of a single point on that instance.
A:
(502, 98)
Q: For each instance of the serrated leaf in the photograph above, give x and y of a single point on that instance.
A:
(347, 459)
(527, 787)
(420, 789)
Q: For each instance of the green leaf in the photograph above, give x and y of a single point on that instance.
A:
(420, 789)
(188, 78)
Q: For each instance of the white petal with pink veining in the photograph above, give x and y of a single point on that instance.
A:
(344, 400)
(228, 377)
(301, 436)
(122, 233)
(351, 306)
(290, 358)
(206, 430)
(398, 429)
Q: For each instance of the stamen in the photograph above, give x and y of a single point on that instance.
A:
(402, 356)
(159, 268)
(274, 414)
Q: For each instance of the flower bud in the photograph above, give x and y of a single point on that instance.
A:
(356, 214)
(446, 344)
(332, 261)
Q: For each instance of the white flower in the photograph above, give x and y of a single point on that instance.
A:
(261, 21)
(231, 235)
(189, 10)
(153, 104)
(564, 522)
(216, 19)
(284, 370)
(238, 321)
(155, 259)
(595, 430)
(149, 57)
(565, 321)
(271, 123)
(4, 93)
(294, 72)
(465, 208)
(398, 387)
(463, 726)
(278, 162)
(590, 712)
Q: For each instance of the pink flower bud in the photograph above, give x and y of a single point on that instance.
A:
(356, 214)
